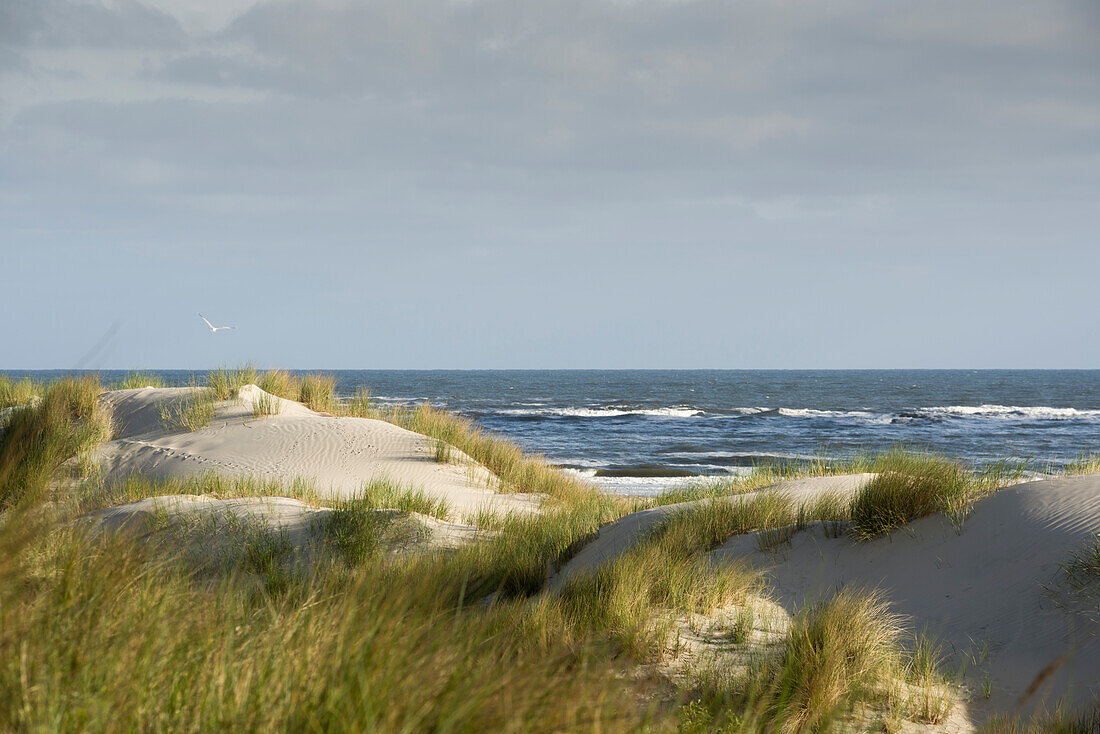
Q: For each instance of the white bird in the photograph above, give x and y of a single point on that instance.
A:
(212, 327)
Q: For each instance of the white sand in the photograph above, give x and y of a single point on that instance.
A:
(616, 538)
(993, 594)
(339, 455)
(300, 524)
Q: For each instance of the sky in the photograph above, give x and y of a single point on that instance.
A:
(568, 184)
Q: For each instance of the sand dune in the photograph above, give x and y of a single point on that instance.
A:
(339, 454)
(616, 538)
(301, 525)
(993, 593)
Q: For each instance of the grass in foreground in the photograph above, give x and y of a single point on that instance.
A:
(140, 646)
(839, 655)
(380, 644)
(40, 438)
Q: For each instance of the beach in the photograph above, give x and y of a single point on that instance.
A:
(992, 569)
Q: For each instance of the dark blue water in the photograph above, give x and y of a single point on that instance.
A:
(644, 427)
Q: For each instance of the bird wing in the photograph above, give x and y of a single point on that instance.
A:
(207, 322)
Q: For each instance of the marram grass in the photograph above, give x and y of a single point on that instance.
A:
(189, 412)
(132, 380)
(18, 392)
(39, 439)
(140, 647)
(467, 640)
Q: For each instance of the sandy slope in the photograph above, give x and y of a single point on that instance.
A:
(297, 522)
(338, 454)
(616, 538)
(993, 593)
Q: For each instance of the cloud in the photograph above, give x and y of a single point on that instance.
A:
(474, 123)
(62, 23)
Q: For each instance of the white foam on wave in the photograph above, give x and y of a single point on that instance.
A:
(864, 415)
(741, 455)
(1017, 412)
(646, 486)
(612, 412)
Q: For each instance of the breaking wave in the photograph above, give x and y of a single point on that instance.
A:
(933, 413)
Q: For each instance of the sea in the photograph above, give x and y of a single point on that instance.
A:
(644, 431)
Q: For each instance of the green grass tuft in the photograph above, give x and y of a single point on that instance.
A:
(442, 451)
(38, 439)
(190, 412)
(136, 486)
(359, 405)
(838, 653)
(133, 380)
(388, 495)
(226, 382)
(18, 392)
(318, 392)
(280, 383)
(911, 485)
(265, 405)
(1087, 463)
(1083, 567)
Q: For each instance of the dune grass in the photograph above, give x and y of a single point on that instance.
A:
(18, 392)
(462, 641)
(318, 392)
(765, 475)
(517, 471)
(1082, 569)
(190, 412)
(94, 495)
(139, 646)
(838, 652)
(1086, 463)
(225, 382)
(279, 383)
(358, 405)
(38, 439)
(132, 380)
(467, 640)
(1060, 721)
(383, 493)
(265, 405)
(914, 484)
(838, 657)
(638, 597)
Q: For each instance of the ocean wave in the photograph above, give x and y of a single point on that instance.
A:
(643, 486)
(609, 412)
(861, 415)
(754, 457)
(1017, 412)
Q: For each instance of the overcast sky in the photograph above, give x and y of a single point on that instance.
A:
(584, 183)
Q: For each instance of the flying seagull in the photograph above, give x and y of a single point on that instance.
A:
(212, 327)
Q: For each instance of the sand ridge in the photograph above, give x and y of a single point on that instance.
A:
(614, 539)
(338, 454)
(992, 593)
(300, 524)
